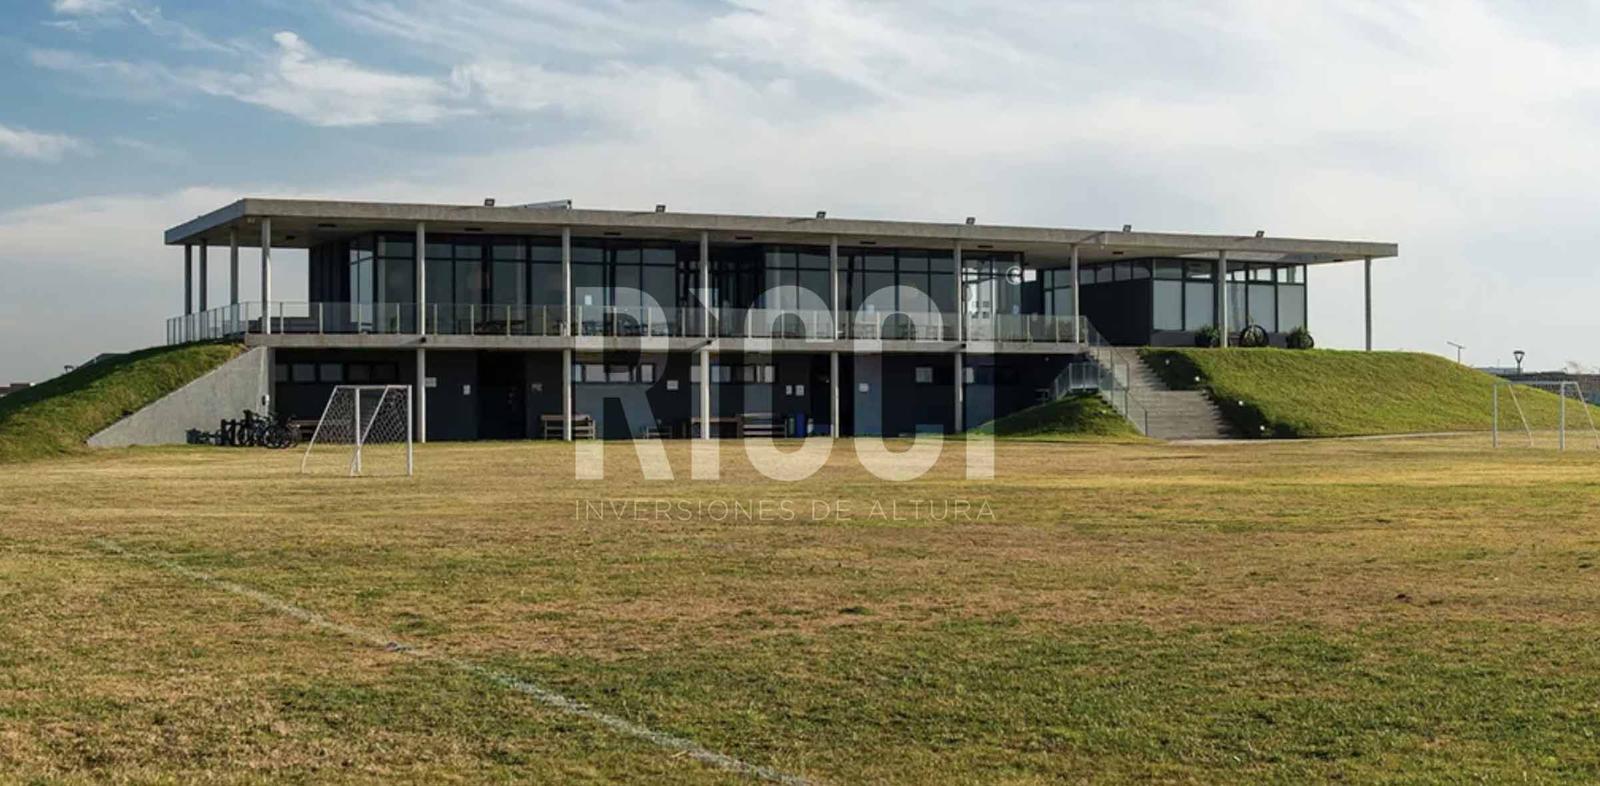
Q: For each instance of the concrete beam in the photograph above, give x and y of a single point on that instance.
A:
(705, 394)
(566, 395)
(1221, 314)
(266, 276)
(205, 279)
(1077, 311)
(961, 296)
(707, 308)
(188, 279)
(422, 395)
(960, 386)
(1368, 282)
(400, 217)
(833, 283)
(566, 284)
(422, 279)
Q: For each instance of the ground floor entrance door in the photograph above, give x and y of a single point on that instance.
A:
(502, 396)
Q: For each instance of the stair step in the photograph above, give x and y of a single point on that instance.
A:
(1167, 413)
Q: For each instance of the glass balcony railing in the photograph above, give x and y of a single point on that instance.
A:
(456, 319)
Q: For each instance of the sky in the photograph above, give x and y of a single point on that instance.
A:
(1464, 131)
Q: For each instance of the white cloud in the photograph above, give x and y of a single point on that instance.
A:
(330, 91)
(88, 7)
(294, 79)
(35, 146)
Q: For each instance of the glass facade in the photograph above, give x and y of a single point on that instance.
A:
(908, 280)
(1183, 294)
(1057, 289)
(994, 283)
(476, 277)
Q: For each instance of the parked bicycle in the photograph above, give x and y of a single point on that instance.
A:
(251, 431)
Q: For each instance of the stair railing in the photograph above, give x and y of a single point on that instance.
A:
(1108, 371)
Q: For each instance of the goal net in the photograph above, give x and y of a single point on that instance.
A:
(1558, 418)
(364, 430)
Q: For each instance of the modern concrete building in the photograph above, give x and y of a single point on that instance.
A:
(543, 320)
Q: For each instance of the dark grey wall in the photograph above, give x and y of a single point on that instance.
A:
(306, 400)
(1120, 310)
(911, 407)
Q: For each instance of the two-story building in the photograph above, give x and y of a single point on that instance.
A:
(518, 322)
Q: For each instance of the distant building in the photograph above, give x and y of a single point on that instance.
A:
(6, 390)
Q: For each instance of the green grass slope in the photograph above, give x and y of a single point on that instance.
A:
(1080, 416)
(1330, 393)
(56, 417)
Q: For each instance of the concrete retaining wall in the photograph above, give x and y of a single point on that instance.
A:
(225, 392)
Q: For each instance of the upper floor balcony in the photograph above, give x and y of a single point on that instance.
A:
(614, 322)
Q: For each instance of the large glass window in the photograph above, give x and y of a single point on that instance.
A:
(1237, 307)
(469, 274)
(1199, 307)
(1264, 306)
(395, 271)
(1167, 305)
(509, 278)
(1291, 307)
(544, 273)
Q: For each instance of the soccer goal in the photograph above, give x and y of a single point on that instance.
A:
(1567, 391)
(364, 430)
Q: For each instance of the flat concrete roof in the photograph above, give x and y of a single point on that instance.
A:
(302, 223)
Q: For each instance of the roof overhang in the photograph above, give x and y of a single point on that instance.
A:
(298, 223)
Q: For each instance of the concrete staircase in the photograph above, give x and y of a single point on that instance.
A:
(1167, 414)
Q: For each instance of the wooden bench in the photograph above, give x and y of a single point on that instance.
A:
(551, 426)
(760, 424)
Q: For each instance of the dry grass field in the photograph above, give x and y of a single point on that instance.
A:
(1406, 611)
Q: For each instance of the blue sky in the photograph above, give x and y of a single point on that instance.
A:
(1462, 130)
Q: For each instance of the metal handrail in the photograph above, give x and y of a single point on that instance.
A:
(343, 318)
(1108, 371)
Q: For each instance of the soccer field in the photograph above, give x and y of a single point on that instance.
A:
(1397, 611)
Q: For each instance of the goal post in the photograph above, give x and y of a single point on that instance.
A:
(363, 430)
(1564, 390)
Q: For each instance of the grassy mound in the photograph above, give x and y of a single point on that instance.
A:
(56, 417)
(1081, 416)
(1329, 393)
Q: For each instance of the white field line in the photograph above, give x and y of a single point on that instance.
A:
(544, 696)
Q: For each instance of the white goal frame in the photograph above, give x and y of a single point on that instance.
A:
(1560, 389)
(359, 429)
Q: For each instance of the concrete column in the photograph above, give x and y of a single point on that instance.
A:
(205, 278)
(1222, 298)
(705, 394)
(837, 428)
(1369, 302)
(266, 276)
(188, 279)
(422, 395)
(1077, 311)
(233, 267)
(705, 284)
(961, 392)
(833, 283)
(566, 394)
(566, 287)
(961, 296)
(422, 279)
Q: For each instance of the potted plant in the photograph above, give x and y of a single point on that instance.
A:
(1300, 338)
(1208, 337)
